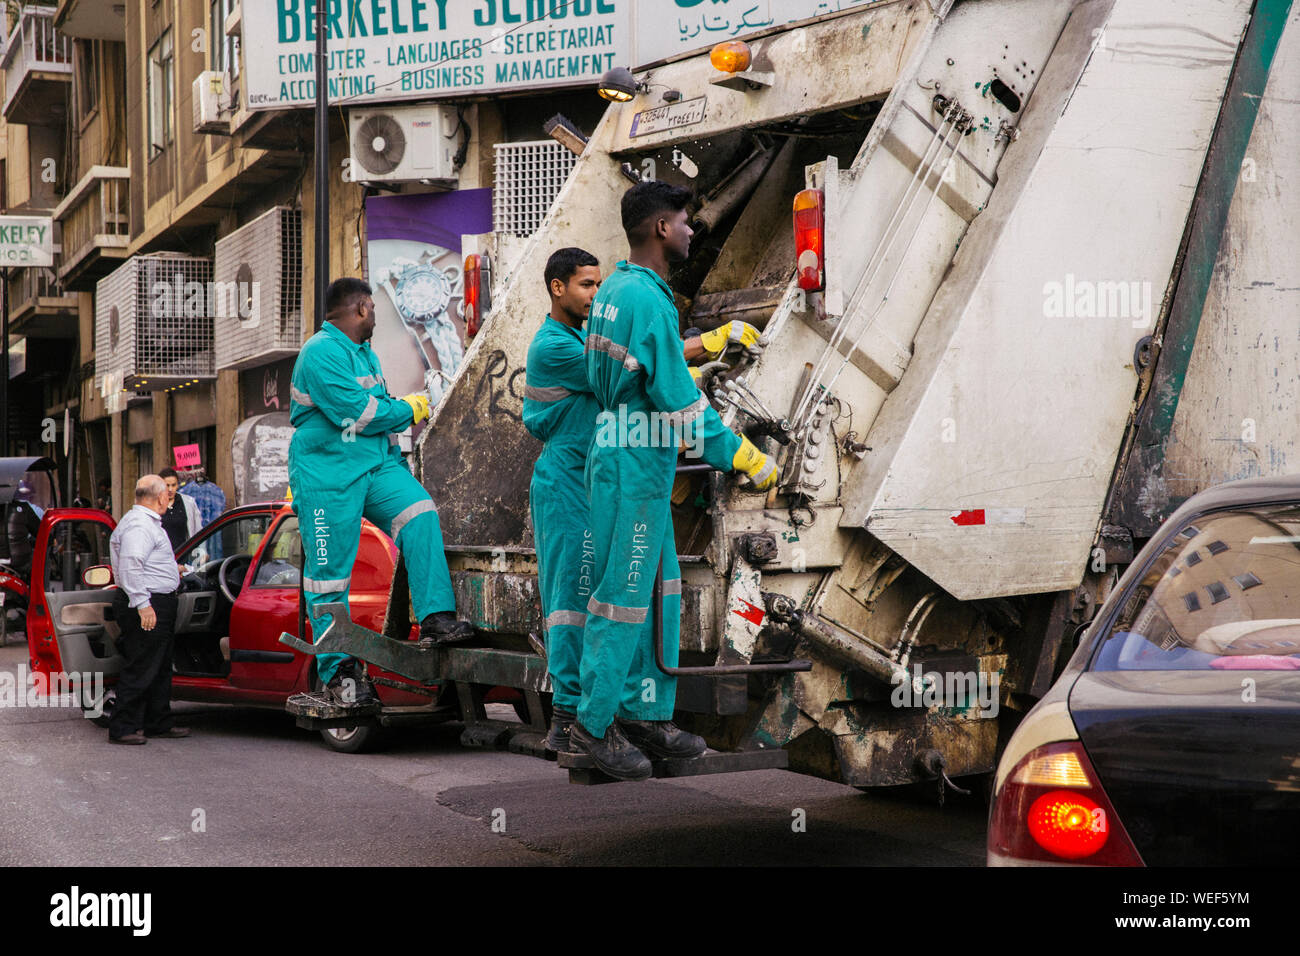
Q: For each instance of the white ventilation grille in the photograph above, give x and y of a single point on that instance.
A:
(528, 178)
(258, 269)
(153, 323)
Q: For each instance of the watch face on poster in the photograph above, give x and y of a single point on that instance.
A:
(419, 331)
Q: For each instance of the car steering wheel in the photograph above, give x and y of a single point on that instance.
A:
(231, 594)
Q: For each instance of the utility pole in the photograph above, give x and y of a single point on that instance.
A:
(4, 370)
(322, 170)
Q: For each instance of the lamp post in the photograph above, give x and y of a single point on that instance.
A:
(322, 216)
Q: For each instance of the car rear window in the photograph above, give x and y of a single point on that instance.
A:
(1224, 594)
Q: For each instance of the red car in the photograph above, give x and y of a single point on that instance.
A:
(240, 593)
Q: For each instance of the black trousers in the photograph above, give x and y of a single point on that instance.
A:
(144, 687)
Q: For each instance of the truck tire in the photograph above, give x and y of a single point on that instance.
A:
(348, 740)
(352, 740)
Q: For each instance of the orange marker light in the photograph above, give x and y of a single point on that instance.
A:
(730, 56)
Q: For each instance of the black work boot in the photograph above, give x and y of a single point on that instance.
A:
(612, 754)
(349, 687)
(662, 738)
(443, 628)
(558, 739)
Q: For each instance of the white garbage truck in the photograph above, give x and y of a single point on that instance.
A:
(1027, 274)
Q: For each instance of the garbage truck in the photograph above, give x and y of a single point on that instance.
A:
(1026, 273)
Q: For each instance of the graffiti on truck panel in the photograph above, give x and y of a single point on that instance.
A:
(496, 381)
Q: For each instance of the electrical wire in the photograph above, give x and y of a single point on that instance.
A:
(892, 228)
(899, 268)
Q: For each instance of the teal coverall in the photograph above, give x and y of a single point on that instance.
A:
(560, 410)
(649, 405)
(345, 462)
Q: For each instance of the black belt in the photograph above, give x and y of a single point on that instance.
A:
(172, 595)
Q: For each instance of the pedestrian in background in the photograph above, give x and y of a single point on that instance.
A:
(181, 520)
(145, 610)
(207, 495)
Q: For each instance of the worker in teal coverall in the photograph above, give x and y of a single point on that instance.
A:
(649, 405)
(345, 462)
(560, 410)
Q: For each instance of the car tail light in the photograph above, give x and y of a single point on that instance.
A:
(472, 305)
(1052, 809)
(809, 233)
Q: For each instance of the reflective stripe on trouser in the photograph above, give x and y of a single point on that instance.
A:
(618, 673)
(565, 575)
(330, 524)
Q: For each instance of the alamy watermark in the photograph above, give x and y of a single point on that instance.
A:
(1087, 299)
(219, 300)
(956, 690)
(641, 429)
(28, 688)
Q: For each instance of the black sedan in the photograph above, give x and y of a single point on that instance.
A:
(1173, 735)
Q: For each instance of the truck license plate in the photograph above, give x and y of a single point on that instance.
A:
(672, 116)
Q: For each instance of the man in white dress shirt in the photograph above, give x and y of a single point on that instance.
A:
(144, 568)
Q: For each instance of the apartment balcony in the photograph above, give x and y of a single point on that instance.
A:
(38, 70)
(39, 307)
(91, 19)
(96, 222)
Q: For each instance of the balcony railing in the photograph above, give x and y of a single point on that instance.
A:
(35, 53)
(39, 306)
(95, 217)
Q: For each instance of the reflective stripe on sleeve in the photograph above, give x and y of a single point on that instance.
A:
(598, 343)
(368, 381)
(301, 397)
(688, 414)
(552, 393)
(616, 612)
(673, 586)
(419, 508)
(368, 414)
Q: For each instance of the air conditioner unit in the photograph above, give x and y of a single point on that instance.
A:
(211, 103)
(527, 178)
(257, 283)
(404, 144)
(153, 323)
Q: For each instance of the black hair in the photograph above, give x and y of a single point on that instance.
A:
(649, 200)
(565, 262)
(168, 472)
(342, 294)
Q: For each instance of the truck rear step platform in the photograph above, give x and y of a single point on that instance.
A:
(315, 712)
(583, 770)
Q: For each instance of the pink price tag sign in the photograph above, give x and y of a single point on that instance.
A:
(187, 456)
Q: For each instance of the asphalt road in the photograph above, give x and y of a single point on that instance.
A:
(250, 788)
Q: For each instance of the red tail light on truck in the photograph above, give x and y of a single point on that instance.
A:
(809, 239)
(1052, 809)
(472, 306)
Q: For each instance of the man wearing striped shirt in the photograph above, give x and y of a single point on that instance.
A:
(345, 462)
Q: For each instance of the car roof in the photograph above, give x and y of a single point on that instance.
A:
(1243, 492)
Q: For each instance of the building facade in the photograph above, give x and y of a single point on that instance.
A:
(183, 283)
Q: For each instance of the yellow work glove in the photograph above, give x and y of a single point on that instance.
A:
(741, 333)
(696, 374)
(760, 468)
(419, 403)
